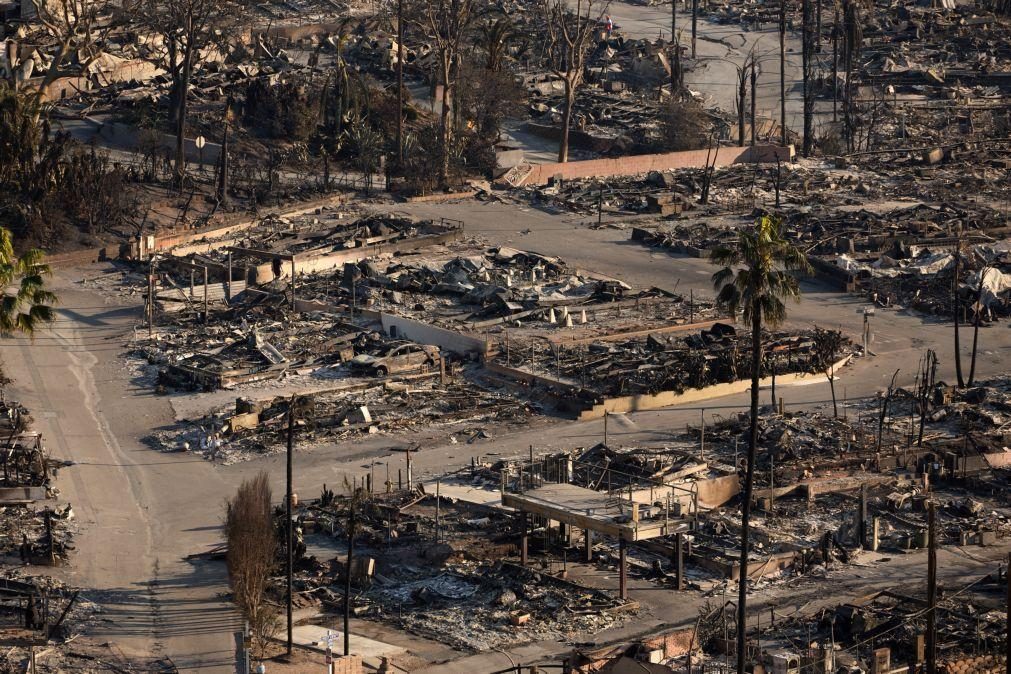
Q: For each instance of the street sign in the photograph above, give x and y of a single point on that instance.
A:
(200, 142)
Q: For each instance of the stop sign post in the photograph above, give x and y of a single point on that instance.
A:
(330, 636)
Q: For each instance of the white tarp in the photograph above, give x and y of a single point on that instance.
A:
(995, 282)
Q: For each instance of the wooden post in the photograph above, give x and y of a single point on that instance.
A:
(931, 588)
(531, 466)
(702, 437)
(228, 286)
(347, 579)
(588, 544)
(679, 560)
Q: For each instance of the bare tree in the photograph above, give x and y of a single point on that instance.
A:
(186, 27)
(447, 23)
(251, 557)
(570, 36)
(76, 32)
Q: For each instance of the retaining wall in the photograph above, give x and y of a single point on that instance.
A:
(670, 398)
(540, 174)
(423, 333)
(314, 263)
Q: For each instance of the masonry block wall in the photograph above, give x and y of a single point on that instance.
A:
(347, 664)
(638, 164)
(673, 644)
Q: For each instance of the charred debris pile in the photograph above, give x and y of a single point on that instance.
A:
(32, 532)
(906, 257)
(435, 566)
(673, 362)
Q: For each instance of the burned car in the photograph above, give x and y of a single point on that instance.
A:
(396, 358)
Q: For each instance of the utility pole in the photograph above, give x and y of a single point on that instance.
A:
(1007, 635)
(150, 300)
(287, 510)
(835, 65)
(695, 21)
(400, 84)
(673, 21)
(807, 51)
(347, 578)
(782, 69)
(931, 588)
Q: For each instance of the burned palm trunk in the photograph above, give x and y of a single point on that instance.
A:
(955, 311)
(754, 99)
(742, 101)
(977, 313)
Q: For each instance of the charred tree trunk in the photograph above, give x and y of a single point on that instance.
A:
(570, 103)
(183, 96)
(444, 130)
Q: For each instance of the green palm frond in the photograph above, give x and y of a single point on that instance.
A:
(29, 307)
(758, 273)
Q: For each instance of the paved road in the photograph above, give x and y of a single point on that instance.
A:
(141, 512)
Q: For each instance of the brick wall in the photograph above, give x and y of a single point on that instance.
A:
(82, 257)
(638, 164)
(347, 664)
(673, 644)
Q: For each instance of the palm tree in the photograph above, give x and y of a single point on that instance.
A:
(26, 304)
(763, 259)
